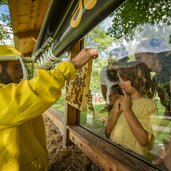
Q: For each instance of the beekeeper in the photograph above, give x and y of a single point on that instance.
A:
(22, 132)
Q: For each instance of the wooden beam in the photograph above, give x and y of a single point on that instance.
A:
(27, 17)
(107, 156)
(28, 34)
(25, 41)
(27, 14)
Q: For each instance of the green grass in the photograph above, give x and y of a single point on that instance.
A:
(161, 135)
(96, 122)
(160, 108)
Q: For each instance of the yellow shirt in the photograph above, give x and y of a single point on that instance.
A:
(22, 134)
(143, 109)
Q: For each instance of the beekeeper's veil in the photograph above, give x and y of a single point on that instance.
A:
(10, 53)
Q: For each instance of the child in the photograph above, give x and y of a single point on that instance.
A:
(115, 92)
(129, 123)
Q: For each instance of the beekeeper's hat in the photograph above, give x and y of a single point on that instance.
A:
(10, 53)
(119, 52)
(153, 45)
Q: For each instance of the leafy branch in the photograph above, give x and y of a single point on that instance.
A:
(134, 14)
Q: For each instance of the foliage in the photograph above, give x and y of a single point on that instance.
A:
(6, 19)
(134, 14)
(3, 33)
(5, 24)
(2, 2)
(95, 77)
(98, 38)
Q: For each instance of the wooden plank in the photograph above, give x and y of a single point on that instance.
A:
(25, 41)
(27, 14)
(25, 45)
(27, 17)
(106, 155)
(29, 34)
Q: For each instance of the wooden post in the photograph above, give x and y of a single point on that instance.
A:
(71, 114)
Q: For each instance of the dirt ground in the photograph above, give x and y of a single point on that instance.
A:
(65, 158)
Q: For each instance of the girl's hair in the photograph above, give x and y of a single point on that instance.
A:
(139, 75)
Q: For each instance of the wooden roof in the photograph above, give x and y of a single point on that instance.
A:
(27, 17)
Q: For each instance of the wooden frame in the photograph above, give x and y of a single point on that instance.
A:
(78, 89)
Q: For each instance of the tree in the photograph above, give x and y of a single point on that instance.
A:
(134, 14)
(95, 77)
(98, 38)
(5, 23)
(2, 2)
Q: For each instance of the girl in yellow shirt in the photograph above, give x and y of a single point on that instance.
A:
(129, 123)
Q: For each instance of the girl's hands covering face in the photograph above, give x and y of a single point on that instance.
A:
(125, 101)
